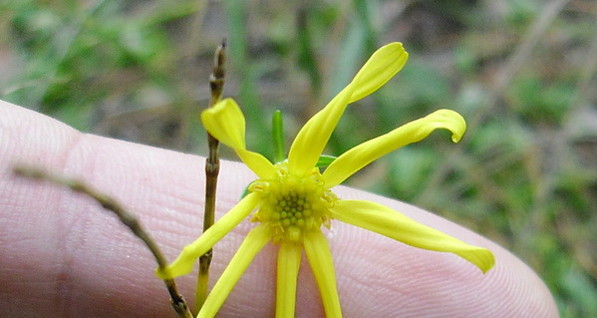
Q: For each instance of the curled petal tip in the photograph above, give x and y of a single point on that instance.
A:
(452, 121)
(456, 137)
(457, 134)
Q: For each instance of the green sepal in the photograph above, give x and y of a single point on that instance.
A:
(246, 192)
(324, 161)
(278, 136)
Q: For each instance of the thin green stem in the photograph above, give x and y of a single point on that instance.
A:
(125, 217)
(278, 136)
(212, 169)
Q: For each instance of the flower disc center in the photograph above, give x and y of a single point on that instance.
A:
(293, 205)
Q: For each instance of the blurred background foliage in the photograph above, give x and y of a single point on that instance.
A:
(522, 72)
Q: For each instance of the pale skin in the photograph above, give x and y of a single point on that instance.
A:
(61, 255)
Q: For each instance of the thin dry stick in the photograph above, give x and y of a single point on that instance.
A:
(127, 218)
(212, 168)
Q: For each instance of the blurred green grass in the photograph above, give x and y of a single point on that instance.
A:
(522, 72)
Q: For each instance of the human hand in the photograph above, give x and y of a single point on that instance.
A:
(63, 256)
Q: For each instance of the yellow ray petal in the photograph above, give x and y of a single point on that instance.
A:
(312, 138)
(225, 121)
(379, 69)
(360, 156)
(186, 260)
(289, 262)
(320, 258)
(383, 220)
(262, 167)
(253, 243)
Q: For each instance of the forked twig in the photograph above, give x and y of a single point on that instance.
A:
(127, 218)
(212, 169)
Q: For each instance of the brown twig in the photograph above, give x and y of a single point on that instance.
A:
(212, 168)
(125, 217)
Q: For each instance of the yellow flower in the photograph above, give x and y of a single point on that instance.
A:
(293, 199)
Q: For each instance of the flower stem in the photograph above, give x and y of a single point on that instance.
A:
(212, 168)
(125, 217)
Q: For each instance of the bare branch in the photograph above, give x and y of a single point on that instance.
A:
(125, 217)
(212, 169)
